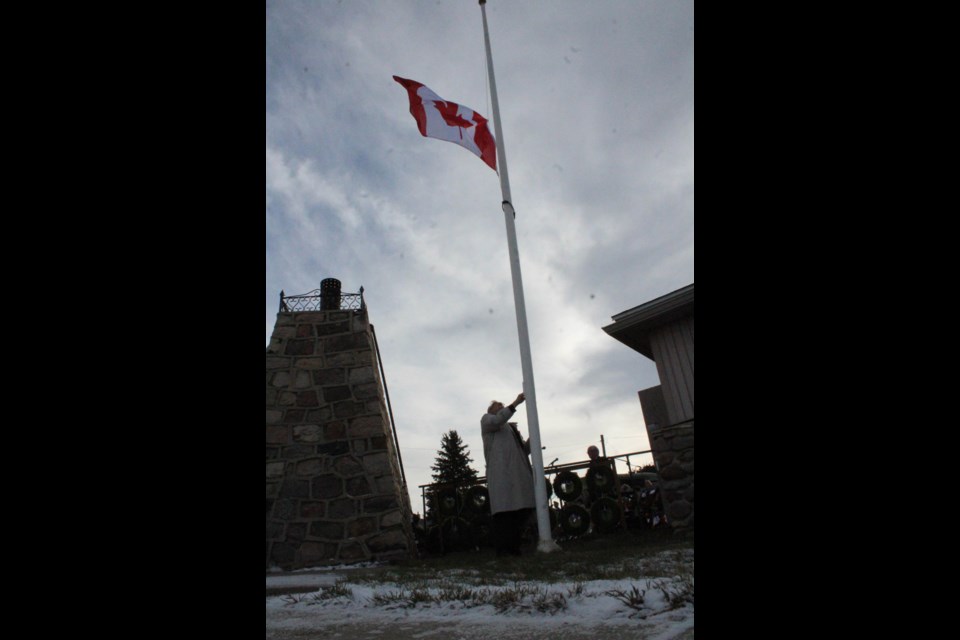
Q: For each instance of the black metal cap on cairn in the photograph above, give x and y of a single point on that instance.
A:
(329, 294)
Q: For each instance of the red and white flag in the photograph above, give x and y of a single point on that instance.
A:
(438, 118)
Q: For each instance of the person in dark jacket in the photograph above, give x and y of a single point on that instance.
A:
(593, 494)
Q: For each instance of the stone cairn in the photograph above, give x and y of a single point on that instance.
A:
(335, 489)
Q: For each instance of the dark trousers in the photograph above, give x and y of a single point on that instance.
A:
(505, 530)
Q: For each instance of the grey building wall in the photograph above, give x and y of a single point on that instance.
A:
(672, 347)
(654, 408)
(663, 330)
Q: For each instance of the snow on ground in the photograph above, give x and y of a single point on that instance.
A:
(455, 607)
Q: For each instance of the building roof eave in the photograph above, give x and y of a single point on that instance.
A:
(633, 326)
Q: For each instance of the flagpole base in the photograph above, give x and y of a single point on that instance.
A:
(548, 546)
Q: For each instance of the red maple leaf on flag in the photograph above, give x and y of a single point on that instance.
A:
(450, 115)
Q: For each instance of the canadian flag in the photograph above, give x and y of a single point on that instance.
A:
(438, 118)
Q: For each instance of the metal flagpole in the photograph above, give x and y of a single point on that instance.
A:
(546, 543)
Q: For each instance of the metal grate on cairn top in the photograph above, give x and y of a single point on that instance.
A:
(321, 300)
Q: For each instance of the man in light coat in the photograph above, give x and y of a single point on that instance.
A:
(509, 476)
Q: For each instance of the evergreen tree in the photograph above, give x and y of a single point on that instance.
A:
(452, 476)
(452, 465)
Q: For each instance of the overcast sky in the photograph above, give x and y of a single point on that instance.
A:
(596, 101)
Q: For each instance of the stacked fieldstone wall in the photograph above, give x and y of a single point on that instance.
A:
(334, 484)
(673, 453)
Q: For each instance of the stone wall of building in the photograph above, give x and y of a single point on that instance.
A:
(672, 449)
(334, 484)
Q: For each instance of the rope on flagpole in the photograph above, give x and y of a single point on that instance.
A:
(546, 543)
